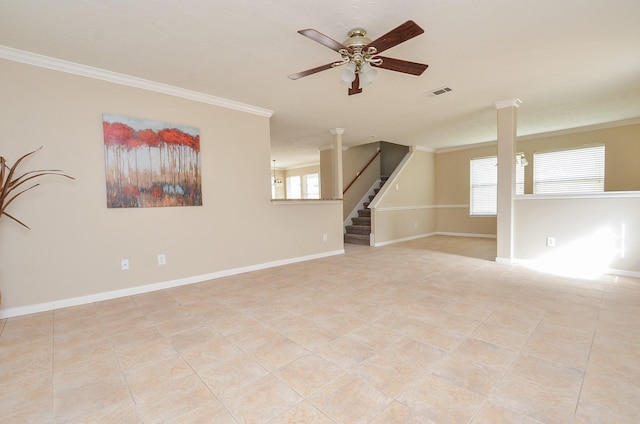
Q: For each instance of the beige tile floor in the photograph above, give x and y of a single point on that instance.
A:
(428, 331)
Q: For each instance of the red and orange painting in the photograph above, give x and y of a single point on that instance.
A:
(150, 163)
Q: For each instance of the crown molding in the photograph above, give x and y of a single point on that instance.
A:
(422, 149)
(123, 79)
(535, 136)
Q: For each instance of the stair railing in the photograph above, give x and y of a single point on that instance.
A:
(361, 171)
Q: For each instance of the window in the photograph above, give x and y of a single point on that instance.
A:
(294, 190)
(311, 187)
(484, 185)
(578, 170)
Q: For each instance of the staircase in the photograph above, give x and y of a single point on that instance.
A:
(359, 232)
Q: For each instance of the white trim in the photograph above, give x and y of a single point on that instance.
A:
(467, 146)
(391, 180)
(98, 297)
(437, 233)
(128, 80)
(623, 273)
(444, 233)
(416, 207)
(405, 208)
(384, 243)
(452, 206)
(423, 149)
(577, 130)
(609, 271)
(304, 201)
(598, 195)
(505, 261)
(535, 136)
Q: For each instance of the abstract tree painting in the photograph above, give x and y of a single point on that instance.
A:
(150, 163)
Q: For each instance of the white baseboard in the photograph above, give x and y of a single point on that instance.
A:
(444, 233)
(531, 264)
(98, 297)
(623, 273)
(505, 261)
(437, 233)
(385, 243)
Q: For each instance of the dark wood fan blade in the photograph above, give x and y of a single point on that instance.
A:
(311, 71)
(322, 39)
(404, 66)
(355, 86)
(404, 32)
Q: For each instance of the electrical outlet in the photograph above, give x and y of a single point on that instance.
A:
(551, 242)
(162, 259)
(325, 237)
(124, 264)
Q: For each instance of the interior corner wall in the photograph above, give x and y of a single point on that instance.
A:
(353, 160)
(75, 244)
(391, 155)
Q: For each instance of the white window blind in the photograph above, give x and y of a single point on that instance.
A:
(578, 170)
(484, 185)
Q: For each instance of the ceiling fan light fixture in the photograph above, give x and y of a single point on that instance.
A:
(367, 74)
(348, 74)
(360, 57)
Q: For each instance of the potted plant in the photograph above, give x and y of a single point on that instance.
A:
(12, 186)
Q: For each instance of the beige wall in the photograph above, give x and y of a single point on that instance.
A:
(452, 172)
(76, 243)
(405, 208)
(622, 148)
(588, 231)
(326, 174)
(453, 190)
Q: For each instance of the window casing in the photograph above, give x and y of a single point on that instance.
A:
(577, 170)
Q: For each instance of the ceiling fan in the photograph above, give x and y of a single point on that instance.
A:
(360, 55)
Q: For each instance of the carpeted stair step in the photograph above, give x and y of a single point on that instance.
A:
(361, 221)
(358, 229)
(357, 239)
(364, 212)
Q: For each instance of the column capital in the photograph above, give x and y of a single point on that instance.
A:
(336, 131)
(515, 102)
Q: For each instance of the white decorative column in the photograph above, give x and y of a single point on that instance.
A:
(507, 129)
(337, 162)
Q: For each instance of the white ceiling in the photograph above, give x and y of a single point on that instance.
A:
(572, 62)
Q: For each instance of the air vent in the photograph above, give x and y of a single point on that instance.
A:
(438, 91)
